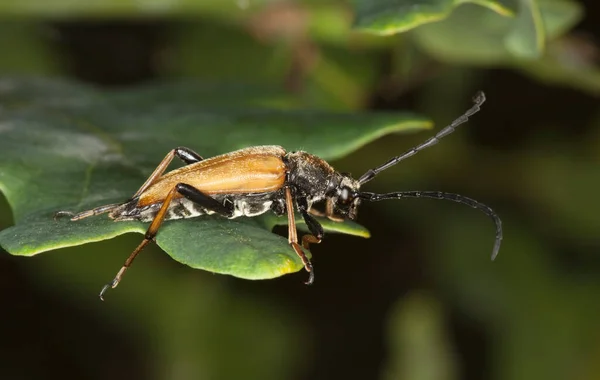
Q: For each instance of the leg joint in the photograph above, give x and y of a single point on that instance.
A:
(187, 155)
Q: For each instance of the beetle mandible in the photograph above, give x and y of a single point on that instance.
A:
(254, 180)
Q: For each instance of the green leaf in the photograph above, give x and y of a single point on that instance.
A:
(65, 146)
(348, 227)
(387, 17)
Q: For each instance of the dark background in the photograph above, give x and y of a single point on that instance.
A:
(419, 300)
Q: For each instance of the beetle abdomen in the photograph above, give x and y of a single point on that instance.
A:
(183, 208)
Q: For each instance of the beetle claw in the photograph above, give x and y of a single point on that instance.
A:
(104, 289)
(311, 276)
(113, 284)
(60, 214)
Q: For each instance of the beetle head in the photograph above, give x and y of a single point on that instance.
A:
(345, 197)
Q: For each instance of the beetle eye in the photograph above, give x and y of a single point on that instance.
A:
(345, 194)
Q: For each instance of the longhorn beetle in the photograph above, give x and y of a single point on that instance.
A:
(254, 180)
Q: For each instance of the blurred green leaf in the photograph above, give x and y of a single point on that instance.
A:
(527, 38)
(263, 62)
(517, 43)
(204, 92)
(97, 8)
(329, 75)
(477, 36)
(66, 146)
(25, 49)
(419, 345)
(570, 202)
(559, 16)
(530, 300)
(568, 62)
(387, 17)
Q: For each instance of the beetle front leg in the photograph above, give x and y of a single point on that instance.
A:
(330, 213)
(313, 225)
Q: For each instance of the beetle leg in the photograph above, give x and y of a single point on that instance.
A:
(315, 229)
(206, 201)
(88, 213)
(330, 213)
(293, 236)
(188, 192)
(186, 155)
(313, 225)
(278, 207)
(148, 237)
(316, 212)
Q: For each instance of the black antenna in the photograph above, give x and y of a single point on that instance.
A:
(371, 173)
(448, 196)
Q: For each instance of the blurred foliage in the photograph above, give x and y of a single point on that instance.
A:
(396, 16)
(419, 342)
(423, 286)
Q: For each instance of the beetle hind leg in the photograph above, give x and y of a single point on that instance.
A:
(86, 214)
(186, 155)
(188, 192)
(113, 284)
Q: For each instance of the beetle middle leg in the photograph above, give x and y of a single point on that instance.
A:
(188, 192)
(293, 236)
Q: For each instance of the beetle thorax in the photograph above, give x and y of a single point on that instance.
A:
(316, 180)
(312, 177)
